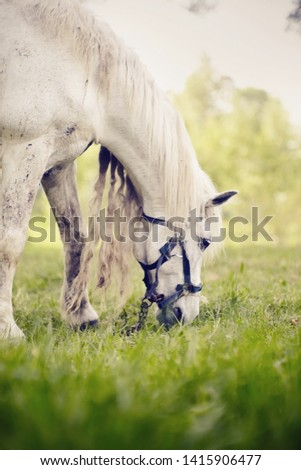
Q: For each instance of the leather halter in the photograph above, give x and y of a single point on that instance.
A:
(186, 288)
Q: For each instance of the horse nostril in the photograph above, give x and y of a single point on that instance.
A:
(178, 313)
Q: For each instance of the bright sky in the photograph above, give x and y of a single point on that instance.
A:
(245, 40)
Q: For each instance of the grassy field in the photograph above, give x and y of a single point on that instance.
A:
(231, 380)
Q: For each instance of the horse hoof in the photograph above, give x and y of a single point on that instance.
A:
(11, 333)
(88, 324)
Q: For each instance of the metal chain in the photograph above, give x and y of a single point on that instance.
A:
(142, 316)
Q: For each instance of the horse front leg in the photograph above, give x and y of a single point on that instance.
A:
(22, 169)
(60, 187)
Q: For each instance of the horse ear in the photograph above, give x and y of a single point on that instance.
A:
(219, 199)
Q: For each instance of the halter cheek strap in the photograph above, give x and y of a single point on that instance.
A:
(165, 254)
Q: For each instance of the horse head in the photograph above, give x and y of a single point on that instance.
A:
(172, 264)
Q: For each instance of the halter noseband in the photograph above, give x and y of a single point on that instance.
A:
(165, 254)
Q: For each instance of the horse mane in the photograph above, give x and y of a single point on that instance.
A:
(121, 196)
(109, 63)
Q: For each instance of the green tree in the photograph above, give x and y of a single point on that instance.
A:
(244, 140)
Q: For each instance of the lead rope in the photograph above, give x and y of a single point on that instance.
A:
(142, 316)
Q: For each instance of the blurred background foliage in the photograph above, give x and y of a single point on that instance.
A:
(244, 140)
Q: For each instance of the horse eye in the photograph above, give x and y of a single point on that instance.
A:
(204, 243)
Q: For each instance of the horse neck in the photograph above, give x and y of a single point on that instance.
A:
(127, 137)
(143, 130)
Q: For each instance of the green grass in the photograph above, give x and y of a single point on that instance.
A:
(231, 380)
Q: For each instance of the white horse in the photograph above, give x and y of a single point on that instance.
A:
(66, 80)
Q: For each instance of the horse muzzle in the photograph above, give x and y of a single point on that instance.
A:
(170, 316)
